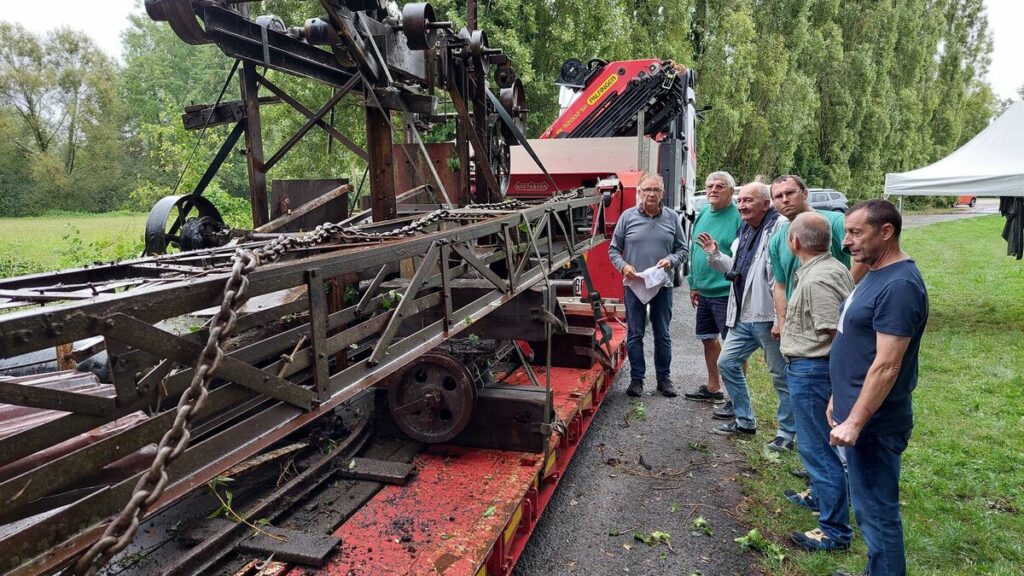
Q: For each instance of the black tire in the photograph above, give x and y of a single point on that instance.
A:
(972, 202)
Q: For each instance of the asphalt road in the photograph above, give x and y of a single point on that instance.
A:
(984, 207)
(608, 490)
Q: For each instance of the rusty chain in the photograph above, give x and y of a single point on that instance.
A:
(151, 485)
(120, 532)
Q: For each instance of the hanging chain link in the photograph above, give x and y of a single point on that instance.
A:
(120, 532)
(150, 487)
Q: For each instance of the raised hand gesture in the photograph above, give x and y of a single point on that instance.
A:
(709, 244)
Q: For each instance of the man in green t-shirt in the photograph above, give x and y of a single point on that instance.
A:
(709, 289)
(789, 195)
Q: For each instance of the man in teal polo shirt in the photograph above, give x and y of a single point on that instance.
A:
(789, 195)
(709, 288)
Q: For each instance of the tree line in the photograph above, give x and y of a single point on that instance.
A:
(839, 92)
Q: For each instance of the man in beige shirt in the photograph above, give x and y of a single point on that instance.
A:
(812, 316)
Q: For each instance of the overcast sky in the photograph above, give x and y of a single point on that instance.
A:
(103, 21)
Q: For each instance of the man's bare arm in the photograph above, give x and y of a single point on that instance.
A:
(877, 384)
(779, 299)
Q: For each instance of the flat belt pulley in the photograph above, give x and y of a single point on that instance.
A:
(180, 15)
(169, 223)
(513, 100)
(432, 399)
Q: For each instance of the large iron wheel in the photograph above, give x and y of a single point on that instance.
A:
(432, 399)
(169, 215)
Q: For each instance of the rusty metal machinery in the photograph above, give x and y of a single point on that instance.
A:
(291, 362)
(207, 358)
(397, 63)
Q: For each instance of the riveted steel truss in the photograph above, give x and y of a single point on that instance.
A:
(289, 364)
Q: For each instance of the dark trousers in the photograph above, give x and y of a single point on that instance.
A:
(809, 390)
(874, 468)
(636, 325)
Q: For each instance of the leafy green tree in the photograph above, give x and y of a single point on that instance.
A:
(60, 88)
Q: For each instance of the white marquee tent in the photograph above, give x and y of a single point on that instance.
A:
(990, 164)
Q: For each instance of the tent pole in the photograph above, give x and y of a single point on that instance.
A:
(901, 204)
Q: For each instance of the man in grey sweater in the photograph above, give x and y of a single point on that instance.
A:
(646, 236)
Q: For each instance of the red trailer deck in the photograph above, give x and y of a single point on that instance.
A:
(470, 511)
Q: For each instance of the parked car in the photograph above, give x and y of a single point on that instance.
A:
(827, 199)
(967, 200)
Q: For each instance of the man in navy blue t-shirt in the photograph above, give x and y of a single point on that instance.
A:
(874, 370)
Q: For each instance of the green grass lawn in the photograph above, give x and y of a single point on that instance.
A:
(963, 473)
(52, 242)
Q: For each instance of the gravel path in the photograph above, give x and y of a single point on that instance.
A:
(608, 487)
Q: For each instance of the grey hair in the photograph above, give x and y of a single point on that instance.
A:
(645, 176)
(723, 176)
(813, 231)
(763, 190)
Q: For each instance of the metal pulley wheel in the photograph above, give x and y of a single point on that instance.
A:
(513, 100)
(478, 50)
(432, 399)
(416, 20)
(181, 17)
(169, 216)
(505, 76)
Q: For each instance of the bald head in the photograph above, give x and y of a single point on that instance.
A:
(810, 233)
(753, 202)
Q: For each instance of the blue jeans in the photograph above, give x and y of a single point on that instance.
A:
(874, 467)
(809, 390)
(743, 339)
(636, 324)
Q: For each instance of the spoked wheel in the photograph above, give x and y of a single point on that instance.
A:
(513, 100)
(500, 157)
(432, 399)
(202, 223)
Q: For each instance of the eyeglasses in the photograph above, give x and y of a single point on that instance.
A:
(650, 190)
(716, 186)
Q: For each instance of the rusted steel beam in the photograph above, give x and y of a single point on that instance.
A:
(141, 335)
(309, 114)
(380, 143)
(306, 208)
(254, 145)
(65, 470)
(315, 119)
(483, 167)
(244, 39)
(51, 399)
(318, 327)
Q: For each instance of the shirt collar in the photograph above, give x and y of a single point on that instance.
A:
(641, 210)
(810, 263)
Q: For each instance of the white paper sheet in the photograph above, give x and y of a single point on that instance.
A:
(648, 284)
